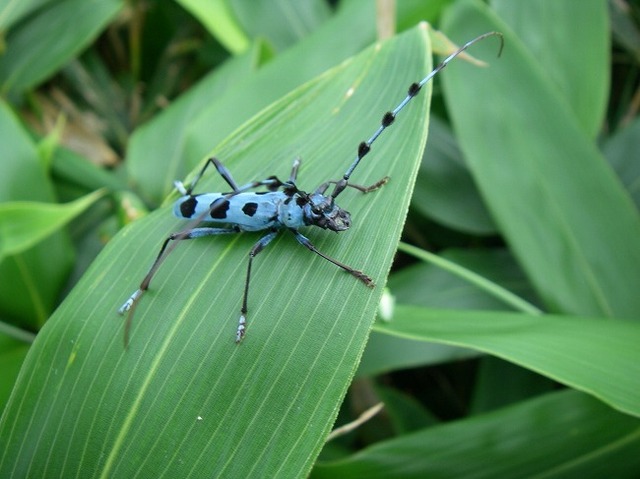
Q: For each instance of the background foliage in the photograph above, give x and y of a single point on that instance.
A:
(512, 349)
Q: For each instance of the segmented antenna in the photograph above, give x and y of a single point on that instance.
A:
(390, 116)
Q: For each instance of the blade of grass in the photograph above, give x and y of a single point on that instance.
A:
(490, 287)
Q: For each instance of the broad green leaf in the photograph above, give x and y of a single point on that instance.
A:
(590, 354)
(567, 42)
(565, 215)
(445, 190)
(559, 435)
(40, 45)
(184, 400)
(24, 224)
(218, 19)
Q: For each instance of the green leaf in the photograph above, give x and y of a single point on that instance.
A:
(12, 354)
(492, 392)
(218, 19)
(22, 176)
(445, 190)
(32, 279)
(45, 42)
(12, 11)
(24, 224)
(559, 435)
(282, 23)
(621, 149)
(184, 400)
(69, 167)
(565, 44)
(593, 355)
(386, 353)
(563, 212)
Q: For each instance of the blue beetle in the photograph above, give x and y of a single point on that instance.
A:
(282, 207)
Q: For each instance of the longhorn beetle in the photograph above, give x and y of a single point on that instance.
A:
(282, 207)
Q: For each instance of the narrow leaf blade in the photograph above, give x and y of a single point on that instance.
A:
(590, 354)
(24, 224)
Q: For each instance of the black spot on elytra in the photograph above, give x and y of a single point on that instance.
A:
(219, 209)
(188, 207)
(250, 208)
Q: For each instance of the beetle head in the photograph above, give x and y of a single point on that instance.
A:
(322, 211)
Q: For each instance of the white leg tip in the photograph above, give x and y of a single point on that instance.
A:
(129, 302)
(125, 307)
(180, 187)
(242, 326)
